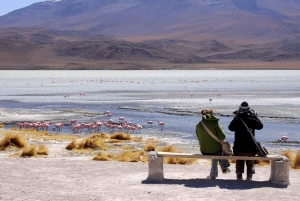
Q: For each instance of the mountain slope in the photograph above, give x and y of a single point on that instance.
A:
(238, 20)
(149, 34)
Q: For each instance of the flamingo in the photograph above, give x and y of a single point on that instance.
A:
(283, 138)
(150, 123)
(161, 124)
(210, 100)
(138, 127)
(121, 119)
(73, 121)
(58, 126)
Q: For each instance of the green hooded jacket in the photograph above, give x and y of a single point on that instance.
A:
(209, 145)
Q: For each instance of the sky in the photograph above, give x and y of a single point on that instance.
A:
(7, 6)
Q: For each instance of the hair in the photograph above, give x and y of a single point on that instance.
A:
(207, 111)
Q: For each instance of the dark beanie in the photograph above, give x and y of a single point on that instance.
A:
(244, 106)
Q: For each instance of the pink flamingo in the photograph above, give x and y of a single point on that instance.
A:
(210, 100)
(73, 121)
(283, 138)
(150, 123)
(219, 95)
(161, 124)
(138, 127)
(58, 126)
(121, 119)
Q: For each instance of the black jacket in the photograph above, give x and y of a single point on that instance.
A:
(243, 142)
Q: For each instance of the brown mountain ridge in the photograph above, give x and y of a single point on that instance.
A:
(151, 34)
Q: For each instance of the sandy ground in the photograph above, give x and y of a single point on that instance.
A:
(77, 179)
(66, 175)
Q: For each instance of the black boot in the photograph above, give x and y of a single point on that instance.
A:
(249, 177)
(239, 176)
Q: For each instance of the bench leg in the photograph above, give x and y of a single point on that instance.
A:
(156, 171)
(280, 172)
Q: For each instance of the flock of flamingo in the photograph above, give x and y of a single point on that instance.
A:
(77, 127)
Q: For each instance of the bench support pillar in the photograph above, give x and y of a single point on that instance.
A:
(280, 171)
(156, 171)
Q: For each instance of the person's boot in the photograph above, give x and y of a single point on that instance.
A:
(249, 177)
(239, 176)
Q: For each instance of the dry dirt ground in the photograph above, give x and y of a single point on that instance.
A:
(77, 179)
(64, 175)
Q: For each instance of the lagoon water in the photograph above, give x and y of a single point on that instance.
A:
(155, 92)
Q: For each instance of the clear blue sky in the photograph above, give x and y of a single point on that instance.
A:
(7, 6)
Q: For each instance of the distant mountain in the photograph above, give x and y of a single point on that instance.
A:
(167, 31)
(238, 20)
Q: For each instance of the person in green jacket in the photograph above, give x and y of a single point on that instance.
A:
(208, 145)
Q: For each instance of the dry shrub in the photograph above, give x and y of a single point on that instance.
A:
(104, 136)
(296, 162)
(128, 156)
(181, 161)
(232, 160)
(262, 162)
(170, 160)
(2, 125)
(29, 151)
(170, 148)
(121, 136)
(93, 142)
(289, 154)
(101, 157)
(42, 150)
(110, 155)
(150, 147)
(12, 140)
(72, 145)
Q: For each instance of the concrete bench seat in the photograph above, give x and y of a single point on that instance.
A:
(280, 165)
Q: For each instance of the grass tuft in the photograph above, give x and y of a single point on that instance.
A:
(296, 162)
(12, 140)
(101, 157)
(93, 142)
(150, 147)
(121, 136)
(42, 150)
(29, 151)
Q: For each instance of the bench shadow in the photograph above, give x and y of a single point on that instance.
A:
(223, 184)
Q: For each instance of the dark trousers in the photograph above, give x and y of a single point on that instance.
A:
(240, 164)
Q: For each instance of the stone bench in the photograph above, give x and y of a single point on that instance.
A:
(280, 165)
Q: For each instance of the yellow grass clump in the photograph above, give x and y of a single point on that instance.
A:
(42, 150)
(150, 147)
(120, 136)
(93, 142)
(170, 160)
(289, 154)
(296, 162)
(261, 162)
(29, 151)
(101, 157)
(170, 148)
(34, 150)
(128, 156)
(2, 125)
(14, 140)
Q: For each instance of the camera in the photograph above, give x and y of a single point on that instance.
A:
(250, 112)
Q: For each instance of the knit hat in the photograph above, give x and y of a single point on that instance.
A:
(244, 106)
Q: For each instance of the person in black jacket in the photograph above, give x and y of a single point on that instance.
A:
(243, 142)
